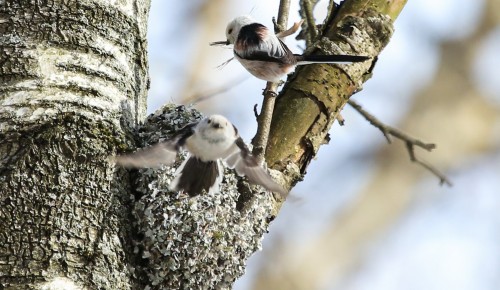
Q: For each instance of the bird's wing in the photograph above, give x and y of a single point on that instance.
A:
(153, 156)
(184, 133)
(256, 42)
(245, 164)
(162, 153)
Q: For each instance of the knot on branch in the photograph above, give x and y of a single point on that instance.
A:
(371, 30)
(291, 174)
(366, 34)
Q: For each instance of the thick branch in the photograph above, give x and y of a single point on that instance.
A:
(410, 142)
(309, 103)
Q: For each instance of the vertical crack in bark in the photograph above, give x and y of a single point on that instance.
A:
(68, 71)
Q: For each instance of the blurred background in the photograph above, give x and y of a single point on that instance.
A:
(365, 217)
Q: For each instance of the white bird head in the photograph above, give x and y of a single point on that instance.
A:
(234, 27)
(216, 127)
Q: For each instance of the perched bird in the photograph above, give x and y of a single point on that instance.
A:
(208, 141)
(265, 56)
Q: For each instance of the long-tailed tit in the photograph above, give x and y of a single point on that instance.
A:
(265, 56)
(208, 141)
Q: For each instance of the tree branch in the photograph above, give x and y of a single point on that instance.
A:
(307, 8)
(283, 12)
(410, 142)
(259, 142)
(295, 27)
(203, 96)
(310, 101)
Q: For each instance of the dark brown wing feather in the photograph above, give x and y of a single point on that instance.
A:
(197, 176)
(256, 42)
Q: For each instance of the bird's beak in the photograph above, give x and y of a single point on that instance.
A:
(226, 42)
(216, 125)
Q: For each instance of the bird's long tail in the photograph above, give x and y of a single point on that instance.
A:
(194, 176)
(308, 59)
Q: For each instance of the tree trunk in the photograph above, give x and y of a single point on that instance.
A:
(73, 81)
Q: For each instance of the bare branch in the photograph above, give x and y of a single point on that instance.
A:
(283, 12)
(222, 65)
(410, 142)
(290, 30)
(332, 9)
(264, 119)
(442, 178)
(307, 10)
(200, 97)
(340, 119)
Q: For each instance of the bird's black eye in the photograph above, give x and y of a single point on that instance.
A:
(230, 31)
(209, 121)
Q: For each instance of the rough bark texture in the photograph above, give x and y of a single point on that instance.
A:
(72, 81)
(312, 98)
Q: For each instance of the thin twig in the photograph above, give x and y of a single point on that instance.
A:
(332, 11)
(260, 139)
(283, 12)
(264, 121)
(290, 30)
(196, 98)
(410, 142)
(442, 178)
(340, 119)
(307, 8)
(222, 65)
